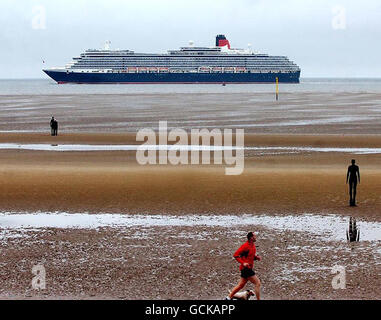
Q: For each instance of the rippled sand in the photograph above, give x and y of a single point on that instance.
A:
(299, 112)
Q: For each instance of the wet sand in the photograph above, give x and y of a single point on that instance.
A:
(113, 181)
(256, 112)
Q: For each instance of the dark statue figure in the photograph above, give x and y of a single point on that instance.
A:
(353, 233)
(353, 176)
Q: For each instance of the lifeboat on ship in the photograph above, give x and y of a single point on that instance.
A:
(175, 70)
(152, 69)
(142, 69)
(240, 69)
(131, 69)
(229, 69)
(217, 69)
(204, 69)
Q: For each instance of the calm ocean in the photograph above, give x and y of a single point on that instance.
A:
(49, 87)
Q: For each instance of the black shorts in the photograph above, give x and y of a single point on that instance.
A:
(247, 273)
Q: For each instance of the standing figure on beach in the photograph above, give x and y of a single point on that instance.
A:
(54, 127)
(246, 255)
(51, 126)
(353, 174)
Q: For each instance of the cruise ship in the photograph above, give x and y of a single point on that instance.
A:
(191, 64)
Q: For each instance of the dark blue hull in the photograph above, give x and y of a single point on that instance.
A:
(85, 77)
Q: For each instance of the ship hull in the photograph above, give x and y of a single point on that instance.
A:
(153, 78)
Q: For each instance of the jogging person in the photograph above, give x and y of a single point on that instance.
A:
(352, 174)
(246, 255)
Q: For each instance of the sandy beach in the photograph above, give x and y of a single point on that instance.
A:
(296, 155)
(142, 262)
(113, 181)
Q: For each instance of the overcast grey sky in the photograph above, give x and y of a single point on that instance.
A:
(326, 38)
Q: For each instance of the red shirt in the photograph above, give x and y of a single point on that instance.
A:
(246, 253)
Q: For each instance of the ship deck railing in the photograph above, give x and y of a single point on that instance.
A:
(169, 70)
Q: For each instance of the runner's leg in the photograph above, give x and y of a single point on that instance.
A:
(238, 287)
(257, 286)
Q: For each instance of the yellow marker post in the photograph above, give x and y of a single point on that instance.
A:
(276, 88)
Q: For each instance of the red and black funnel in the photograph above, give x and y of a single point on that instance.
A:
(221, 41)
